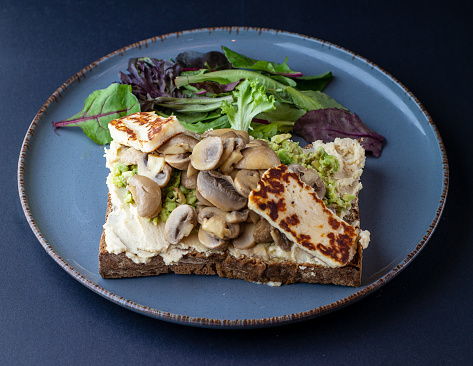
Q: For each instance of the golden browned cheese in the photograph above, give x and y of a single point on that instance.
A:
(144, 131)
(294, 208)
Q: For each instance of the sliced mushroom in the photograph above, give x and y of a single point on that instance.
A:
(245, 181)
(258, 157)
(202, 200)
(188, 182)
(207, 153)
(163, 177)
(233, 144)
(310, 177)
(227, 166)
(191, 171)
(237, 217)
(178, 161)
(146, 194)
(221, 131)
(210, 242)
(219, 191)
(262, 231)
(281, 240)
(180, 223)
(214, 221)
(258, 142)
(228, 141)
(179, 144)
(253, 217)
(246, 239)
(150, 165)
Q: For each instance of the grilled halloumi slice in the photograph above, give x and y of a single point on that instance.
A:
(145, 131)
(294, 208)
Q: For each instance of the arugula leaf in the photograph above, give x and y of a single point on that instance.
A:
(101, 107)
(244, 62)
(250, 100)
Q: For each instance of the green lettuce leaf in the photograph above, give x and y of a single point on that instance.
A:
(250, 100)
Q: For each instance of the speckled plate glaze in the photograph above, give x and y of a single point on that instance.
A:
(402, 200)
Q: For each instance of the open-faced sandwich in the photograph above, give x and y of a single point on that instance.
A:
(223, 203)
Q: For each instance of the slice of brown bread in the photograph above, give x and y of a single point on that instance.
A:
(226, 265)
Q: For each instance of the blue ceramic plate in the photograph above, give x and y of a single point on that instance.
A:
(62, 185)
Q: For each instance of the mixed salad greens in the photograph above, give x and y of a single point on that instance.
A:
(224, 90)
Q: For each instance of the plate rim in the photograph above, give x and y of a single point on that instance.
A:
(222, 323)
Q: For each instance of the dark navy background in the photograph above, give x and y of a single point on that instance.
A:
(422, 317)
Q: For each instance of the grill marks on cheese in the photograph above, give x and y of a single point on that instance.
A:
(294, 208)
(144, 131)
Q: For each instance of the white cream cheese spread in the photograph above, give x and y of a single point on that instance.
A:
(140, 239)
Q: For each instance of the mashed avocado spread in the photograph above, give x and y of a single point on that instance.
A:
(326, 165)
(173, 194)
(289, 152)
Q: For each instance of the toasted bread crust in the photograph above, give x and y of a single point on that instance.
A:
(225, 265)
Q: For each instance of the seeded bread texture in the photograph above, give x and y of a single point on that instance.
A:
(226, 265)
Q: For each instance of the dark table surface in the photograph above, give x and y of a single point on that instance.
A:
(423, 316)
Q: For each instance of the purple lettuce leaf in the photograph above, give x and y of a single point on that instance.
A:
(151, 78)
(193, 60)
(327, 124)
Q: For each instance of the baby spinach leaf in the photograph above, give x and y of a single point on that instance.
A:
(316, 82)
(310, 99)
(282, 112)
(241, 61)
(101, 107)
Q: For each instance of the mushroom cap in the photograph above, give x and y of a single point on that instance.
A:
(207, 153)
(201, 199)
(180, 223)
(178, 161)
(214, 221)
(310, 177)
(258, 142)
(281, 240)
(237, 217)
(151, 165)
(262, 232)
(245, 181)
(222, 131)
(246, 239)
(188, 182)
(179, 144)
(258, 157)
(146, 194)
(218, 189)
(163, 177)
(210, 242)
